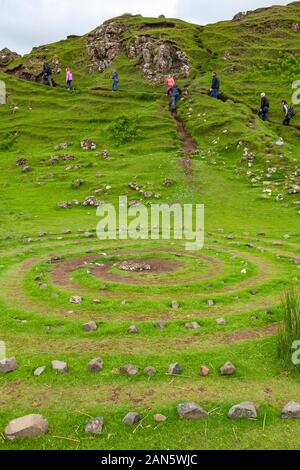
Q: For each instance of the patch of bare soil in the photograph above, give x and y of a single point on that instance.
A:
(189, 146)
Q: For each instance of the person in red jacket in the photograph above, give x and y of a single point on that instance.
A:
(170, 82)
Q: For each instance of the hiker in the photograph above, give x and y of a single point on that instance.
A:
(48, 74)
(175, 94)
(170, 83)
(264, 107)
(115, 77)
(215, 86)
(69, 79)
(288, 113)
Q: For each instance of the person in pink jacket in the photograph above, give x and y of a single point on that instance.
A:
(170, 82)
(69, 79)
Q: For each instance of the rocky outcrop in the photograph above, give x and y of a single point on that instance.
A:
(7, 56)
(156, 57)
(32, 68)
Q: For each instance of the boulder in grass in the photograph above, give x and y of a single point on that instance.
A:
(175, 369)
(133, 329)
(175, 305)
(29, 426)
(221, 322)
(228, 369)
(160, 418)
(90, 326)
(150, 371)
(60, 366)
(160, 325)
(243, 410)
(210, 303)
(8, 365)
(291, 411)
(131, 419)
(76, 299)
(191, 411)
(129, 369)
(95, 365)
(95, 426)
(192, 326)
(39, 371)
(204, 371)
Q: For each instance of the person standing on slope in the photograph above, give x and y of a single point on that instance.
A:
(115, 77)
(47, 73)
(170, 83)
(215, 86)
(288, 113)
(69, 79)
(175, 94)
(264, 107)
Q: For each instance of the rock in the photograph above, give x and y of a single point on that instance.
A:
(39, 371)
(160, 418)
(88, 235)
(168, 182)
(64, 205)
(175, 305)
(228, 369)
(192, 326)
(175, 369)
(21, 162)
(76, 300)
(191, 411)
(133, 329)
(295, 27)
(239, 16)
(291, 411)
(221, 322)
(62, 146)
(95, 426)
(148, 194)
(91, 201)
(129, 369)
(160, 325)
(204, 371)
(150, 371)
(8, 365)
(88, 145)
(131, 419)
(26, 427)
(27, 169)
(210, 303)
(7, 56)
(60, 366)
(243, 410)
(95, 365)
(90, 326)
(135, 266)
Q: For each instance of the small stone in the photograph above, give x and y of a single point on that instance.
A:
(160, 325)
(160, 418)
(243, 410)
(39, 371)
(26, 427)
(192, 326)
(76, 300)
(133, 329)
(60, 366)
(228, 369)
(129, 369)
(269, 312)
(131, 419)
(175, 305)
(291, 411)
(95, 365)
(175, 369)
(221, 322)
(95, 426)
(150, 371)
(191, 411)
(204, 371)
(210, 303)
(168, 182)
(8, 365)
(90, 326)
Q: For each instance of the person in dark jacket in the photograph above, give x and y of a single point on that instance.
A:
(215, 86)
(115, 77)
(288, 113)
(48, 74)
(175, 94)
(264, 107)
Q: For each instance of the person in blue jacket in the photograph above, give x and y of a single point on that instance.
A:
(115, 77)
(215, 86)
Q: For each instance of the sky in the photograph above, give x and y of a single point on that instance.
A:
(28, 23)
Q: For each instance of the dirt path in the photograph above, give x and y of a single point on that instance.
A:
(189, 146)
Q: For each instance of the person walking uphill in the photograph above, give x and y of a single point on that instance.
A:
(69, 79)
(170, 83)
(48, 73)
(264, 107)
(115, 77)
(288, 113)
(215, 86)
(175, 94)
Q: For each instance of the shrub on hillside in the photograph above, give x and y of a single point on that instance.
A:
(124, 129)
(290, 329)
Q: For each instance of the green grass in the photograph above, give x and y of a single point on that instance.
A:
(244, 226)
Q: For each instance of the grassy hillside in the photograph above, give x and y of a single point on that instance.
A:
(251, 253)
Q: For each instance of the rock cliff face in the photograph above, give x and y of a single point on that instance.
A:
(155, 56)
(7, 56)
(32, 68)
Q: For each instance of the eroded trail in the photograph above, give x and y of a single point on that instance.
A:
(189, 146)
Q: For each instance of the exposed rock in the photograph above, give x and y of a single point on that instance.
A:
(27, 169)
(295, 27)
(133, 329)
(76, 299)
(175, 305)
(88, 145)
(228, 369)
(95, 426)
(22, 161)
(90, 326)
(131, 419)
(243, 410)
(60, 366)
(160, 325)
(62, 146)
(8, 365)
(210, 303)
(175, 369)
(160, 418)
(95, 365)
(26, 427)
(129, 369)
(204, 371)
(221, 322)
(92, 201)
(39, 371)
(191, 411)
(239, 16)
(168, 182)
(192, 326)
(150, 371)
(7, 56)
(133, 266)
(291, 411)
